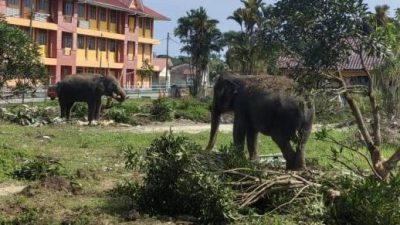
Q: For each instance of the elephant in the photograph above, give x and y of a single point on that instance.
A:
(87, 88)
(267, 105)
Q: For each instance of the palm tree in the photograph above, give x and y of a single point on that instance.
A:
(381, 15)
(200, 37)
(244, 47)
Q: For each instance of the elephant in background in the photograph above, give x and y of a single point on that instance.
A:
(267, 105)
(87, 88)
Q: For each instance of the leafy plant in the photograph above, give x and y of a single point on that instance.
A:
(162, 109)
(119, 115)
(176, 183)
(80, 110)
(39, 168)
(366, 201)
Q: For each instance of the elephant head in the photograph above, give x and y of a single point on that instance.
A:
(225, 90)
(110, 87)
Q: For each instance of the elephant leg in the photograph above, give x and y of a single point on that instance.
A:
(239, 132)
(287, 151)
(68, 110)
(63, 108)
(91, 111)
(252, 141)
(98, 109)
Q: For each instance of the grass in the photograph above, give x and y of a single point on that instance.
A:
(97, 153)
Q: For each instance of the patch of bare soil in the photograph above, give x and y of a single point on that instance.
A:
(176, 126)
(52, 183)
(10, 190)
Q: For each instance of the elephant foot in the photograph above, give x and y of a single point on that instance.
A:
(93, 123)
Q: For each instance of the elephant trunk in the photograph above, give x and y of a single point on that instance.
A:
(215, 121)
(119, 95)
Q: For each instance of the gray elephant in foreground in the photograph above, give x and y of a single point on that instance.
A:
(87, 88)
(263, 104)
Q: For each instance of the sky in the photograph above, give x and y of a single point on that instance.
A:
(216, 9)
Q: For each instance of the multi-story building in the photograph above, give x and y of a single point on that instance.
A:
(105, 36)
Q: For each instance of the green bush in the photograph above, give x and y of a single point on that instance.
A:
(177, 183)
(79, 110)
(194, 109)
(119, 115)
(366, 201)
(162, 109)
(38, 168)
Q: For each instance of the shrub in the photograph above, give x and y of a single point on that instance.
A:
(194, 109)
(79, 110)
(366, 201)
(162, 109)
(176, 183)
(119, 115)
(38, 168)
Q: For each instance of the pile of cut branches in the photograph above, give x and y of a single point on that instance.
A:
(178, 173)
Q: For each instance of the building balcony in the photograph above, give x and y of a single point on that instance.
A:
(13, 12)
(84, 24)
(23, 22)
(42, 17)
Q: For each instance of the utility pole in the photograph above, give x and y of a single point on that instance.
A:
(166, 64)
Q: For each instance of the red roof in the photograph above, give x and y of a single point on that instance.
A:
(124, 5)
(151, 13)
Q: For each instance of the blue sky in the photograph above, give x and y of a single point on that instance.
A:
(216, 9)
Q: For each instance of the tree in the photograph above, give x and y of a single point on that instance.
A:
(321, 35)
(147, 70)
(19, 57)
(248, 51)
(200, 37)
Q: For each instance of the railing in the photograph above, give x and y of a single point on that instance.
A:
(40, 94)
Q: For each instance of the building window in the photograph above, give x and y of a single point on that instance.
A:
(28, 3)
(148, 23)
(82, 11)
(113, 16)
(43, 6)
(103, 14)
(80, 70)
(112, 45)
(68, 8)
(67, 40)
(141, 22)
(93, 12)
(41, 37)
(13, 3)
(81, 42)
(102, 44)
(91, 42)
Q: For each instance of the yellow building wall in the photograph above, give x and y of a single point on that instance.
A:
(140, 56)
(113, 27)
(93, 24)
(43, 49)
(103, 25)
(131, 51)
(148, 33)
(92, 55)
(81, 54)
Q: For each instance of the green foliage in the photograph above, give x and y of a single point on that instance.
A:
(79, 110)
(38, 168)
(19, 57)
(366, 201)
(162, 109)
(176, 183)
(200, 37)
(119, 115)
(388, 84)
(127, 190)
(194, 109)
(9, 158)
